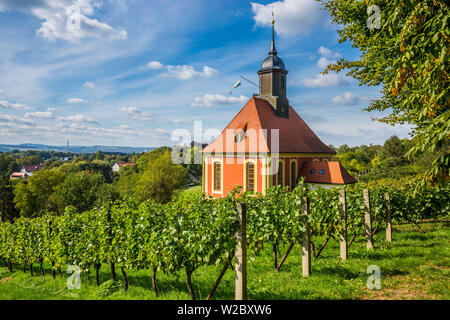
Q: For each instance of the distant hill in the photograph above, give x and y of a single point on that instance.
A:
(74, 149)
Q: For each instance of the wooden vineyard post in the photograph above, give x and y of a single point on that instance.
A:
(240, 291)
(343, 233)
(367, 220)
(388, 218)
(306, 244)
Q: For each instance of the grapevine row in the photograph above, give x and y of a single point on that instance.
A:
(194, 231)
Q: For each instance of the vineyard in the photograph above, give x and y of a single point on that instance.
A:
(193, 231)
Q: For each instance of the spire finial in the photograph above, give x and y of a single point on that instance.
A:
(273, 51)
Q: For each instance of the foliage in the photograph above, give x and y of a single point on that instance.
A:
(107, 288)
(38, 195)
(159, 179)
(408, 58)
(80, 190)
(194, 231)
(7, 209)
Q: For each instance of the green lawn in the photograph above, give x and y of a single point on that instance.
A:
(415, 266)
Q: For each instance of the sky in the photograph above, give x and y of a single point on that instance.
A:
(136, 72)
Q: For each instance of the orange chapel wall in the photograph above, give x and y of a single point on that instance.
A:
(232, 174)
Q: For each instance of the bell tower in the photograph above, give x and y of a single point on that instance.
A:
(272, 80)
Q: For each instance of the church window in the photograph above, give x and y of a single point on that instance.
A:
(217, 176)
(280, 173)
(250, 176)
(293, 174)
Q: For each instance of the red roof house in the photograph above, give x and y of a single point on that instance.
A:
(268, 143)
(29, 169)
(118, 165)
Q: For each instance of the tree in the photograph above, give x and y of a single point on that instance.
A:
(7, 209)
(7, 164)
(159, 179)
(81, 190)
(99, 155)
(393, 148)
(38, 195)
(408, 57)
(128, 179)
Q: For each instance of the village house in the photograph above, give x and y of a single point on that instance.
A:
(118, 165)
(268, 143)
(26, 171)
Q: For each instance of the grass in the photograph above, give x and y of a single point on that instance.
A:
(415, 266)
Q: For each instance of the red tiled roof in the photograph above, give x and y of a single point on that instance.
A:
(18, 175)
(33, 167)
(121, 164)
(294, 134)
(333, 172)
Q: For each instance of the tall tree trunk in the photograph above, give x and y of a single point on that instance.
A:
(189, 283)
(31, 269)
(97, 268)
(125, 279)
(24, 268)
(53, 270)
(60, 272)
(10, 266)
(41, 267)
(154, 282)
(113, 272)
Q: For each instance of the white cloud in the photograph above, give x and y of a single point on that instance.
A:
(89, 85)
(1, 91)
(209, 100)
(41, 114)
(58, 14)
(291, 16)
(76, 100)
(18, 106)
(348, 98)
(136, 113)
(14, 119)
(324, 62)
(78, 118)
(155, 65)
(130, 110)
(324, 80)
(186, 72)
(325, 52)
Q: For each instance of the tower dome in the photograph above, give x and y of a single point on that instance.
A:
(272, 80)
(273, 62)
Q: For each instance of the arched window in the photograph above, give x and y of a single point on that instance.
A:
(293, 174)
(280, 173)
(250, 176)
(217, 167)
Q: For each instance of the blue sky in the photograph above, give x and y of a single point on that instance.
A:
(135, 71)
